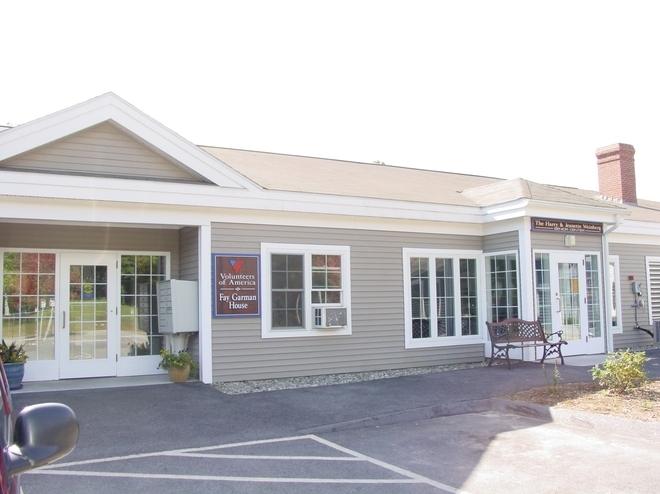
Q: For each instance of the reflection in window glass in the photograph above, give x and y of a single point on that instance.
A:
(593, 296)
(502, 286)
(139, 310)
(28, 302)
(420, 297)
(287, 290)
(543, 293)
(443, 299)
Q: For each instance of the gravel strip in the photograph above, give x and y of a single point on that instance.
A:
(240, 387)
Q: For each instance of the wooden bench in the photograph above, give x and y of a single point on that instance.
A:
(518, 333)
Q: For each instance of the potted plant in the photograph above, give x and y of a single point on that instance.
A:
(13, 360)
(178, 365)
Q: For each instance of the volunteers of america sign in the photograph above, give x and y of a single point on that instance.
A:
(236, 285)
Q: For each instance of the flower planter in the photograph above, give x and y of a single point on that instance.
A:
(179, 375)
(15, 373)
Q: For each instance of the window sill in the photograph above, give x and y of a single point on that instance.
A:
(435, 343)
(304, 333)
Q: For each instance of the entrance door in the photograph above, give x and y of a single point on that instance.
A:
(575, 302)
(89, 319)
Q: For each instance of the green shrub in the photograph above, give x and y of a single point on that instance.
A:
(621, 371)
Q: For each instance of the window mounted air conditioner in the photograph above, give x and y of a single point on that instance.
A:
(330, 317)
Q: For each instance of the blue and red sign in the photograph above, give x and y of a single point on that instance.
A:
(236, 285)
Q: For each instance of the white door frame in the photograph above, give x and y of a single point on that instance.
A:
(587, 343)
(94, 366)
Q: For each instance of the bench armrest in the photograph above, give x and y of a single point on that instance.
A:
(558, 333)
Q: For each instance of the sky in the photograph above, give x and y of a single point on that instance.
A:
(497, 88)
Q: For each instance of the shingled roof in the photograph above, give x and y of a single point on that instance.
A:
(282, 172)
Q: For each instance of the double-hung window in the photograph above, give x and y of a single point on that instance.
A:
(441, 297)
(305, 289)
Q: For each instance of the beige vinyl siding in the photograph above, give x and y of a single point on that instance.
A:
(189, 270)
(189, 243)
(501, 242)
(56, 237)
(632, 262)
(377, 341)
(101, 150)
(555, 241)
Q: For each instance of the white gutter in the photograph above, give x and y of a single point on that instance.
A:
(609, 337)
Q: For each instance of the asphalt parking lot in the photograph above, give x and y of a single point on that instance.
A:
(432, 433)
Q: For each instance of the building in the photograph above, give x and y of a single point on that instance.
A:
(303, 265)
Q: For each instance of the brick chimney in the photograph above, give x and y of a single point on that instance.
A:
(616, 172)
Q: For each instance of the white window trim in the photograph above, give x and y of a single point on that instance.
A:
(486, 281)
(604, 306)
(436, 341)
(614, 259)
(306, 250)
(649, 298)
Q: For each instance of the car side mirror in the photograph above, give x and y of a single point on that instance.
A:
(43, 433)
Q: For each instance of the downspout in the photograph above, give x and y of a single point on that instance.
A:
(609, 340)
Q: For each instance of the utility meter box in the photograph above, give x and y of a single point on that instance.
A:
(178, 306)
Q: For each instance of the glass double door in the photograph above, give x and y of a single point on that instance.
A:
(572, 301)
(107, 316)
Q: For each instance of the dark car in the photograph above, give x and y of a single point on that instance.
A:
(40, 435)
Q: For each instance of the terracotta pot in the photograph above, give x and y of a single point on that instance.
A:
(179, 375)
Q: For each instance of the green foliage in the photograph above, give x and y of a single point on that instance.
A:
(621, 371)
(12, 354)
(176, 360)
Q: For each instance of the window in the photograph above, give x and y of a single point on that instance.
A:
(502, 286)
(593, 295)
(299, 284)
(614, 293)
(139, 313)
(441, 297)
(543, 291)
(28, 302)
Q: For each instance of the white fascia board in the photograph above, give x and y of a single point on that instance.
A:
(71, 212)
(622, 238)
(504, 226)
(504, 211)
(283, 218)
(110, 107)
(529, 207)
(573, 212)
(91, 188)
(646, 228)
(169, 193)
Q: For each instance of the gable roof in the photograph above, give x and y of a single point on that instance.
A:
(109, 108)
(169, 157)
(104, 151)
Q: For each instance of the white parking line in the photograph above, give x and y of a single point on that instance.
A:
(351, 456)
(277, 480)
